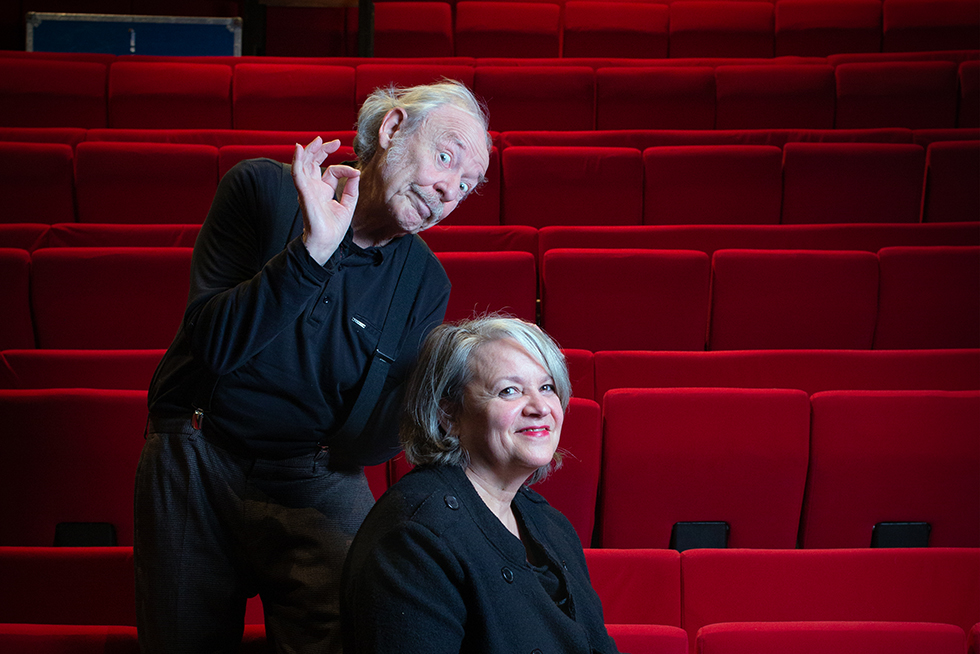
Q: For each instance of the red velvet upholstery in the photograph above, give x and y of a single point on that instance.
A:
(122, 235)
(119, 369)
(417, 29)
(852, 182)
(653, 97)
(68, 585)
(913, 94)
(572, 186)
(896, 585)
(482, 207)
(839, 637)
(969, 107)
(169, 95)
(581, 371)
(625, 299)
(52, 93)
(817, 28)
(219, 137)
(723, 184)
(973, 639)
(507, 29)
(648, 638)
(23, 236)
(930, 297)
(952, 190)
(144, 182)
(372, 76)
(109, 298)
(893, 456)
(73, 460)
(683, 455)
(537, 97)
(572, 488)
(708, 238)
(293, 97)
(481, 238)
(68, 135)
(229, 155)
(911, 25)
(757, 97)
(67, 639)
(17, 326)
(490, 281)
(713, 28)
(637, 586)
(615, 29)
(37, 183)
(793, 299)
(309, 32)
(377, 476)
(811, 371)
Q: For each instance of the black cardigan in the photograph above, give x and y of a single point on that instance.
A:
(433, 571)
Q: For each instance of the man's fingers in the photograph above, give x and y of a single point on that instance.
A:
(349, 197)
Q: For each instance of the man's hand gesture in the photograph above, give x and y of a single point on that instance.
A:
(325, 220)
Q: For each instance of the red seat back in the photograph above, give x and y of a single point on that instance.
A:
(293, 97)
(17, 326)
(816, 28)
(768, 97)
(169, 95)
(537, 97)
(507, 29)
(655, 97)
(952, 191)
(37, 183)
(913, 94)
(713, 28)
(485, 282)
(52, 93)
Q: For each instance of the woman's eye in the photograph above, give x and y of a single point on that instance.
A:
(548, 388)
(509, 391)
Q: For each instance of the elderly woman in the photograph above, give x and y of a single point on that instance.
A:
(460, 555)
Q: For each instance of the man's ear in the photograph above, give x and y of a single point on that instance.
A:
(393, 121)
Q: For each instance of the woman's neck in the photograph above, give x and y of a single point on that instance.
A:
(499, 500)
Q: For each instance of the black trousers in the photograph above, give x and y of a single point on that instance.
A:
(214, 528)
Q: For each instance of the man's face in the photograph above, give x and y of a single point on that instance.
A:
(427, 173)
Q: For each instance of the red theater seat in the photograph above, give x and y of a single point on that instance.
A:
(852, 182)
(712, 28)
(939, 585)
(74, 460)
(793, 299)
(648, 638)
(723, 184)
(572, 488)
(169, 95)
(538, 97)
(572, 186)
(913, 94)
(485, 282)
(973, 640)
(811, 371)
(67, 586)
(929, 298)
(373, 76)
(681, 97)
(507, 29)
(952, 191)
(124, 235)
(625, 299)
(637, 586)
(481, 238)
(293, 97)
(229, 155)
(917, 25)
(769, 97)
(893, 456)
(109, 298)
(581, 371)
(47, 93)
(17, 326)
(119, 369)
(145, 183)
(615, 29)
(67, 639)
(969, 108)
(37, 183)
(421, 29)
(23, 236)
(839, 637)
(693, 455)
(817, 28)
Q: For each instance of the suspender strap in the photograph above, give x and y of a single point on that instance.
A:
(396, 322)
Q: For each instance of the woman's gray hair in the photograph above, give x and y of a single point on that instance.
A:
(437, 386)
(418, 102)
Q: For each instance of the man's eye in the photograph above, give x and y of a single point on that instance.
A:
(464, 187)
(444, 157)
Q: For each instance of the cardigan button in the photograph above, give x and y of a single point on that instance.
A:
(536, 651)
(508, 575)
(451, 502)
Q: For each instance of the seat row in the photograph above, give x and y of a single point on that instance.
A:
(675, 468)
(534, 185)
(654, 601)
(812, 94)
(591, 299)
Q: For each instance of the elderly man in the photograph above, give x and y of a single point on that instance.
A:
(310, 294)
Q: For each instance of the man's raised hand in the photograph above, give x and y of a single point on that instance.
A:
(325, 219)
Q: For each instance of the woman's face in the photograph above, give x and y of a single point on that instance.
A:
(511, 417)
